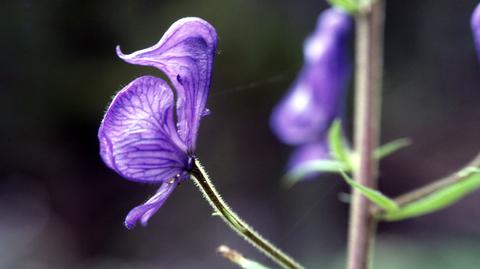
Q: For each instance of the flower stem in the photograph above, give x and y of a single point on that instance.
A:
(200, 177)
(368, 77)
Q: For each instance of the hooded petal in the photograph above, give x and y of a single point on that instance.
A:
(143, 212)
(475, 24)
(185, 54)
(138, 138)
(317, 96)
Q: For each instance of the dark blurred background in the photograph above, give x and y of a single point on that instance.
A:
(61, 207)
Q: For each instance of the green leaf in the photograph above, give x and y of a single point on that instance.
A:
(374, 196)
(437, 200)
(238, 259)
(337, 145)
(324, 166)
(350, 6)
(391, 147)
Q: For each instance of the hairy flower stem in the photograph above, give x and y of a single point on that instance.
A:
(368, 77)
(200, 177)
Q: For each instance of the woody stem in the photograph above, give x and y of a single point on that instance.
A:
(368, 78)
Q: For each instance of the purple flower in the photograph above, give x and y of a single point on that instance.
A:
(475, 24)
(304, 115)
(139, 136)
(309, 152)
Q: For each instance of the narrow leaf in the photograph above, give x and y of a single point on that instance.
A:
(337, 145)
(374, 196)
(391, 147)
(238, 259)
(437, 200)
(315, 166)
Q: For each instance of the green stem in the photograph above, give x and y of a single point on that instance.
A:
(200, 177)
(368, 77)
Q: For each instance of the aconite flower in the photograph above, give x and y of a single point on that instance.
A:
(149, 131)
(316, 99)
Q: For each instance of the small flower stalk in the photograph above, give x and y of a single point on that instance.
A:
(149, 131)
(316, 99)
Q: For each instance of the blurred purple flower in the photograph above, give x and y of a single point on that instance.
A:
(139, 137)
(309, 152)
(475, 24)
(305, 114)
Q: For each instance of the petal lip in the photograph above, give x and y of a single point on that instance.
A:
(309, 152)
(138, 137)
(185, 54)
(144, 212)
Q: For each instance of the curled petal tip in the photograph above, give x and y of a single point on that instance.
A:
(126, 57)
(119, 52)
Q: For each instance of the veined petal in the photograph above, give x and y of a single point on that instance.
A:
(138, 138)
(317, 97)
(475, 24)
(185, 54)
(143, 212)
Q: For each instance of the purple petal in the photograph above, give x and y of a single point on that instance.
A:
(309, 152)
(475, 24)
(317, 97)
(185, 54)
(143, 212)
(138, 138)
